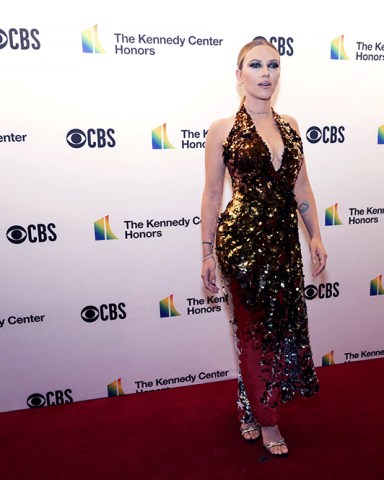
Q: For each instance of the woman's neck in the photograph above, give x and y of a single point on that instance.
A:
(258, 108)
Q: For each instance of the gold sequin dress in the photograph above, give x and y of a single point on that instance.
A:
(258, 250)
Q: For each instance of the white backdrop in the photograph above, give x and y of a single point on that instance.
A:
(80, 318)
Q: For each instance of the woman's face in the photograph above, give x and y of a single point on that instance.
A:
(260, 72)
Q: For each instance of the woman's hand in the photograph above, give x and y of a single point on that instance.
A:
(318, 255)
(208, 274)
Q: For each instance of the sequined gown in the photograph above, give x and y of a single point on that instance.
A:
(258, 250)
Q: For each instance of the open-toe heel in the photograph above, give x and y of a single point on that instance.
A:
(248, 428)
(279, 443)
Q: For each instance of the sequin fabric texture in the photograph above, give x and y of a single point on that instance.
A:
(258, 250)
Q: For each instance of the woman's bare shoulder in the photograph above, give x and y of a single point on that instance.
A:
(220, 128)
(292, 121)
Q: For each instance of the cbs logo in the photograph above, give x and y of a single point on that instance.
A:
(98, 137)
(21, 38)
(110, 311)
(327, 134)
(283, 45)
(324, 290)
(58, 397)
(33, 233)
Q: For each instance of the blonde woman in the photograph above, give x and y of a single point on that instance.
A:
(257, 245)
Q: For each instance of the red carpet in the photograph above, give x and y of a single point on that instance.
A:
(191, 433)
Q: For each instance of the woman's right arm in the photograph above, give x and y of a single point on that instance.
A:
(212, 197)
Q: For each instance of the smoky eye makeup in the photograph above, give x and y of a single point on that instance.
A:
(259, 64)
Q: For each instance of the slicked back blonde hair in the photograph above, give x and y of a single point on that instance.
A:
(248, 47)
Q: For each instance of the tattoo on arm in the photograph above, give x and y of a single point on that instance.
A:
(303, 207)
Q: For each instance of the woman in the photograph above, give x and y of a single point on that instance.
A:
(257, 245)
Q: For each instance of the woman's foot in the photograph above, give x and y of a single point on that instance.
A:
(273, 441)
(250, 431)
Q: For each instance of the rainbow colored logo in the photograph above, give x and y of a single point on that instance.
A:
(167, 308)
(380, 135)
(332, 216)
(337, 49)
(91, 42)
(376, 287)
(160, 140)
(103, 230)
(115, 389)
(328, 359)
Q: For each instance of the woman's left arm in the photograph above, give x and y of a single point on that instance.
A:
(307, 208)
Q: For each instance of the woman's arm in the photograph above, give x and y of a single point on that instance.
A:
(307, 208)
(211, 200)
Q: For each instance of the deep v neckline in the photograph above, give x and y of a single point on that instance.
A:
(267, 148)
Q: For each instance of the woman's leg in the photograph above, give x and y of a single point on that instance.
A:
(258, 398)
(252, 403)
(250, 429)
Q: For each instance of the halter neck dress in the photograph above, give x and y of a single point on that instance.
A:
(258, 251)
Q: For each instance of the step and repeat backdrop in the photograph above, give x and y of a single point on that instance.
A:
(105, 107)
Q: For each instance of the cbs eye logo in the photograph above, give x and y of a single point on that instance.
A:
(327, 134)
(324, 290)
(93, 138)
(21, 38)
(110, 311)
(39, 233)
(58, 397)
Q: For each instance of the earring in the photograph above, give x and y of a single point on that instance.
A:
(240, 84)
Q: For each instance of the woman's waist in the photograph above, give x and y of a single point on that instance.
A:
(261, 204)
